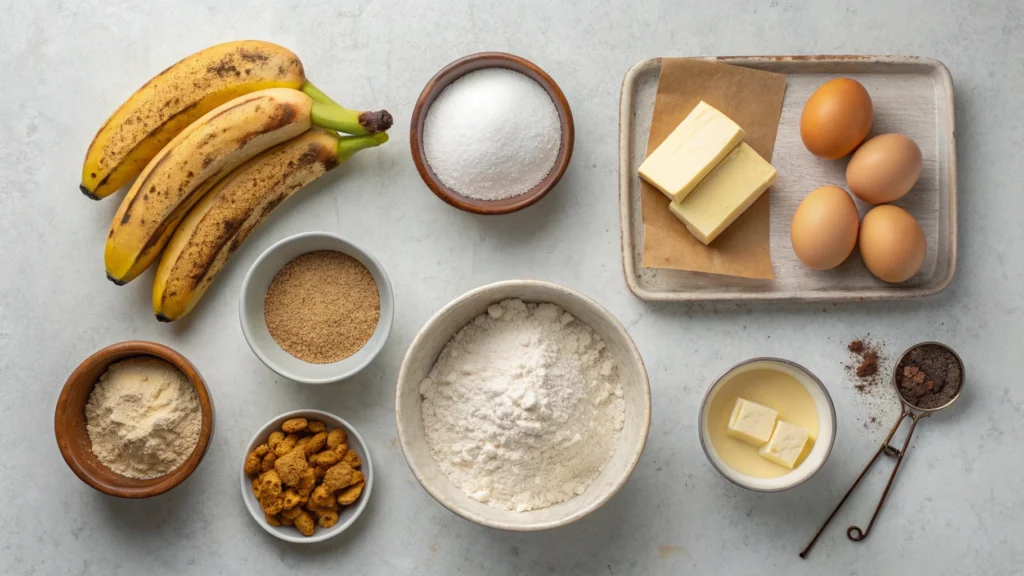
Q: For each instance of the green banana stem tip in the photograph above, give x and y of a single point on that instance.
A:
(349, 145)
(341, 119)
(316, 94)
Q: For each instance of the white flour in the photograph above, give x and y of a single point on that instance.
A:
(523, 407)
(492, 134)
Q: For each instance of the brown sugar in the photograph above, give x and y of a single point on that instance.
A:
(322, 307)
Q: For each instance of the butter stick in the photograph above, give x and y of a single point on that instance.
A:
(727, 191)
(691, 151)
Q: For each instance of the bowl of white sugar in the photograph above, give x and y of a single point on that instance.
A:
(523, 405)
(491, 133)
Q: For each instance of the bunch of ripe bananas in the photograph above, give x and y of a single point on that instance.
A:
(214, 144)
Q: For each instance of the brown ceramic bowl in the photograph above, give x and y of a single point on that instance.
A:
(453, 72)
(73, 440)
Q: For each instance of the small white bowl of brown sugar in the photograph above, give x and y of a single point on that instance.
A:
(316, 308)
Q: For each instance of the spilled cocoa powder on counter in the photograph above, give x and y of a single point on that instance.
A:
(868, 360)
(868, 369)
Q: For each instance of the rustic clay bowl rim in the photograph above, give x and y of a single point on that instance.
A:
(453, 72)
(73, 440)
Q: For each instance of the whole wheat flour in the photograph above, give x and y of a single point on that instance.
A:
(143, 418)
(523, 408)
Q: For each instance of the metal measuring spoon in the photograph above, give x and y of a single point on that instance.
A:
(908, 410)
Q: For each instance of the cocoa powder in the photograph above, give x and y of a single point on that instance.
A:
(929, 376)
(868, 369)
(868, 359)
(868, 364)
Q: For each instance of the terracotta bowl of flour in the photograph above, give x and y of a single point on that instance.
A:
(73, 439)
(425, 350)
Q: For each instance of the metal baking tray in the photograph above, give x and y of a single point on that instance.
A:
(911, 95)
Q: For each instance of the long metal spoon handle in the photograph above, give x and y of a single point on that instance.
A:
(835, 511)
(854, 532)
(881, 449)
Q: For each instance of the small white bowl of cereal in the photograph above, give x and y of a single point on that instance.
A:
(306, 476)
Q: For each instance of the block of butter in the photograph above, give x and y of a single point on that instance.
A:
(726, 192)
(786, 444)
(691, 151)
(751, 422)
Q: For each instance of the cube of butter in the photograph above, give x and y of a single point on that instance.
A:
(726, 192)
(786, 444)
(751, 422)
(691, 151)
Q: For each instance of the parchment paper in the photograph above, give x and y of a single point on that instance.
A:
(753, 99)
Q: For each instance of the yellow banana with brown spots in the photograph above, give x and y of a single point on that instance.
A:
(174, 99)
(218, 225)
(198, 157)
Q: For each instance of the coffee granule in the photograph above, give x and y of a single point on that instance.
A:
(867, 369)
(322, 307)
(929, 376)
(867, 364)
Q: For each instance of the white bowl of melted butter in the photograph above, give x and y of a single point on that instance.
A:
(800, 399)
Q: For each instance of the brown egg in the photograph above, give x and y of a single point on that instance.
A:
(824, 229)
(884, 168)
(836, 118)
(892, 243)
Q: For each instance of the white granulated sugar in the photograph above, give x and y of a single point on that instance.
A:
(523, 408)
(492, 134)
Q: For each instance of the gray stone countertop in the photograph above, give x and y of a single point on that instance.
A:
(66, 65)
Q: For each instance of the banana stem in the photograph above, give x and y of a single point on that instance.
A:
(338, 118)
(341, 119)
(316, 94)
(349, 145)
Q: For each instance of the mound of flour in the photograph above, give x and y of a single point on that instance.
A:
(523, 407)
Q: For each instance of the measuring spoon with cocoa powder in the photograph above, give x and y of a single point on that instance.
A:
(928, 377)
